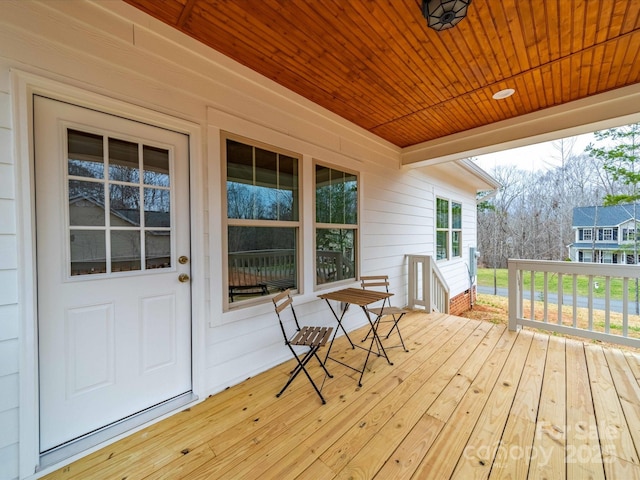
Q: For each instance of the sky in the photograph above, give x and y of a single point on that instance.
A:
(540, 156)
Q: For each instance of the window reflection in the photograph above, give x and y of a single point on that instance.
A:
(125, 205)
(85, 154)
(123, 161)
(125, 250)
(336, 196)
(88, 252)
(156, 166)
(261, 184)
(86, 203)
(99, 224)
(336, 206)
(262, 260)
(157, 249)
(335, 255)
(157, 207)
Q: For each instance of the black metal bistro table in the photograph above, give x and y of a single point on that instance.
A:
(362, 298)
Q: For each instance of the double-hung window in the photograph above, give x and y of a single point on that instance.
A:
(263, 220)
(336, 200)
(448, 229)
(606, 235)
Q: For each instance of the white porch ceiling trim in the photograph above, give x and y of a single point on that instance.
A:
(611, 109)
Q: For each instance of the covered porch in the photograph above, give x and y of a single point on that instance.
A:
(469, 400)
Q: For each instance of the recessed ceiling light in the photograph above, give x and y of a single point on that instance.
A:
(507, 92)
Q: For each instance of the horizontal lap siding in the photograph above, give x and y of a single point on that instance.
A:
(178, 77)
(456, 270)
(9, 353)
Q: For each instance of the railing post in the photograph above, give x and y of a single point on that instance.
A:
(427, 284)
(514, 295)
(413, 284)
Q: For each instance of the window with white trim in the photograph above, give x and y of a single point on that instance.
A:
(336, 226)
(263, 220)
(586, 234)
(448, 229)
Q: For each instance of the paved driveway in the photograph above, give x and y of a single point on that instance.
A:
(598, 303)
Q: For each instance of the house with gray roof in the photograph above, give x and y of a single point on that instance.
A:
(605, 234)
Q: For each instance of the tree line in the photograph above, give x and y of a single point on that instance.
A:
(530, 216)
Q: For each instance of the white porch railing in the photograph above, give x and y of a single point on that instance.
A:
(427, 286)
(529, 280)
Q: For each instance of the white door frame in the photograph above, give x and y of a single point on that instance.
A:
(24, 86)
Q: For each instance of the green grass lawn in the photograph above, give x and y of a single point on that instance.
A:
(486, 278)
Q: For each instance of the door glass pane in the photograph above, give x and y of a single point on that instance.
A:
(156, 166)
(157, 245)
(86, 203)
(125, 250)
(121, 228)
(88, 252)
(123, 161)
(85, 154)
(125, 205)
(157, 211)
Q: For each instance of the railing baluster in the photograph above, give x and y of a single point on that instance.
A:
(625, 307)
(560, 297)
(532, 291)
(590, 303)
(545, 297)
(607, 274)
(575, 300)
(607, 304)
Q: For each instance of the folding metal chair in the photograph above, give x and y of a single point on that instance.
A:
(386, 309)
(311, 337)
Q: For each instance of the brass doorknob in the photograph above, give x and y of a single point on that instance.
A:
(183, 259)
(183, 277)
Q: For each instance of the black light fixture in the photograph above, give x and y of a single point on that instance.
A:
(443, 14)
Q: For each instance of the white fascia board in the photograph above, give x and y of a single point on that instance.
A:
(486, 178)
(607, 110)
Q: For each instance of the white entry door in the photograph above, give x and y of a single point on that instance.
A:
(114, 306)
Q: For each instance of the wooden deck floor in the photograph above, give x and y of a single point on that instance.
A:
(470, 400)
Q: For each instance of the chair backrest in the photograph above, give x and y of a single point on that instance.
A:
(371, 282)
(281, 302)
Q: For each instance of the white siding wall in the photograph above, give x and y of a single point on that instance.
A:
(85, 46)
(9, 325)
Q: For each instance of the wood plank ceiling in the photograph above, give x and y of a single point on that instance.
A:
(377, 64)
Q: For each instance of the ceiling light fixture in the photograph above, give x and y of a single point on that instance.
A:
(443, 14)
(507, 92)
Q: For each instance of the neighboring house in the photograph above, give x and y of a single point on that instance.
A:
(605, 234)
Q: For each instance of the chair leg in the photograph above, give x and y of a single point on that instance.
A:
(396, 327)
(301, 367)
(371, 329)
(322, 365)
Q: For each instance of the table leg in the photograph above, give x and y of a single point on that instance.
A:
(335, 332)
(374, 338)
